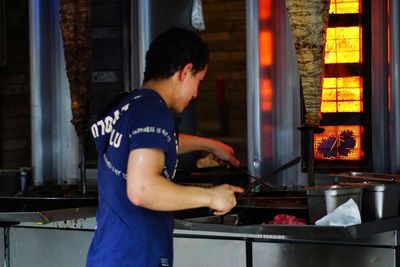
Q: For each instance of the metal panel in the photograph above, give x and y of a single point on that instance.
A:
(54, 141)
(254, 155)
(273, 138)
(195, 252)
(150, 18)
(379, 85)
(2, 247)
(316, 255)
(36, 247)
(394, 85)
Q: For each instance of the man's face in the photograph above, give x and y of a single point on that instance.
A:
(189, 89)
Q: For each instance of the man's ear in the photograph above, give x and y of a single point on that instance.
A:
(186, 70)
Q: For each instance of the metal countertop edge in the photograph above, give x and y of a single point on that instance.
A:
(302, 232)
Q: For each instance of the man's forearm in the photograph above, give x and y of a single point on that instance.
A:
(163, 195)
(189, 143)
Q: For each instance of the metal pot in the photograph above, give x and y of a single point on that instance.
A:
(14, 180)
(323, 199)
(379, 200)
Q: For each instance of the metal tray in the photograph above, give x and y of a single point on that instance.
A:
(44, 217)
(274, 200)
(366, 176)
(45, 209)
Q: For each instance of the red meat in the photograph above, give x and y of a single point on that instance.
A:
(286, 219)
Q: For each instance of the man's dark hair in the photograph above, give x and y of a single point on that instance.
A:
(171, 51)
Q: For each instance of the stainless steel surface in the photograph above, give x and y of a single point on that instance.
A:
(378, 200)
(43, 217)
(6, 239)
(367, 176)
(360, 233)
(254, 141)
(394, 85)
(316, 255)
(322, 200)
(140, 39)
(379, 87)
(150, 18)
(54, 141)
(202, 252)
(82, 165)
(272, 112)
(41, 247)
(229, 219)
(46, 209)
(273, 200)
(275, 250)
(34, 247)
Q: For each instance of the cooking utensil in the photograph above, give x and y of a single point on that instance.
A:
(263, 180)
(257, 178)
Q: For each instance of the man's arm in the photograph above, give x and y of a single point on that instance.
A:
(189, 143)
(147, 188)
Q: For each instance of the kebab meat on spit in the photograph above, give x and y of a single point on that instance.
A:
(76, 34)
(309, 22)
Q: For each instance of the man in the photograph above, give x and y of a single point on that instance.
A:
(138, 145)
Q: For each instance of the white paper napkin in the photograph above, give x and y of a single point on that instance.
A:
(344, 215)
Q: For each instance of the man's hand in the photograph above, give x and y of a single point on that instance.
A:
(220, 151)
(224, 153)
(223, 198)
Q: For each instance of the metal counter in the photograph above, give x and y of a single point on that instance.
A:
(295, 232)
(372, 244)
(216, 241)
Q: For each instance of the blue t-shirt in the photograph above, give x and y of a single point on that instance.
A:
(127, 235)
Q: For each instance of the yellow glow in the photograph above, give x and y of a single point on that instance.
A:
(265, 44)
(333, 145)
(343, 45)
(342, 94)
(349, 106)
(349, 94)
(344, 7)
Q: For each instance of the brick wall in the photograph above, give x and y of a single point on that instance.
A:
(225, 35)
(14, 90)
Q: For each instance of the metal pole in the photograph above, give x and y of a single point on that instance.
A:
(254, 152)
(82, 164)
(6, 246)
(310, 159)
(394, 84)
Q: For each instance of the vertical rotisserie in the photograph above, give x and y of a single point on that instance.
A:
(309, 21)
(75, 21)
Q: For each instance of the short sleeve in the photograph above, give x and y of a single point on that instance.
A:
(153, 128)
